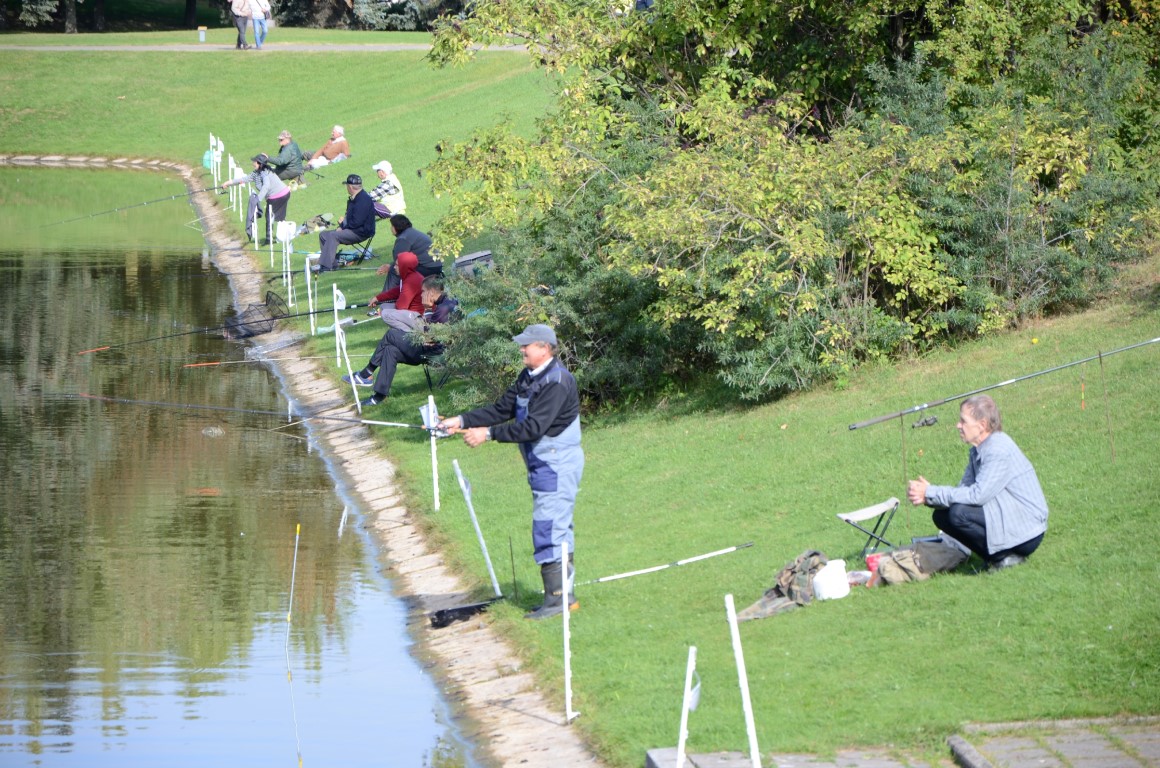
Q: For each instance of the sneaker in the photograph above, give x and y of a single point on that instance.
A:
(359, 379)
(372, 400)
(1009, 561)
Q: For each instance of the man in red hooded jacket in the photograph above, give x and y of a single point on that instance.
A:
(403, 305)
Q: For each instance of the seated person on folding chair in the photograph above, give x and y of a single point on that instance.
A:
(388, 195)
(402, 306)
(407, 238)
(397, 346)
(998, 508)
(356, 226)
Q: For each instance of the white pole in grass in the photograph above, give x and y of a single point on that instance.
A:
(466, 488)
(269, 233)
(686, 705)
(310, 287)
(569, 713)
(743, 682)
(434, 416)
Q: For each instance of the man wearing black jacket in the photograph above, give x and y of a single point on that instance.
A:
(541, 412)
(357, 225)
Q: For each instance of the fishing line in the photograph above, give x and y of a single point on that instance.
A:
(916, 408)
(231, 409)
(223, 326)
(129, 207)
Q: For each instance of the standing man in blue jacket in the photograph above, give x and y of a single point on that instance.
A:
(357, 225)
(541, 412)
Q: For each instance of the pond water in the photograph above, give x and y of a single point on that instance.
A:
(148, 553)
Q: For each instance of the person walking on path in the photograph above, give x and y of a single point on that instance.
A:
(998, 509)
(240, 11)
(259, 12)
(541, 412)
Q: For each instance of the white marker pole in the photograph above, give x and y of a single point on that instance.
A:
(569, 713)
(434, 455)
(743, 682)
(686, 705)
(463, 486)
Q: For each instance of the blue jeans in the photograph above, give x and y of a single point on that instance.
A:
(259, 32)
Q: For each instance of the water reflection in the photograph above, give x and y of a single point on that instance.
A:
(146, 552)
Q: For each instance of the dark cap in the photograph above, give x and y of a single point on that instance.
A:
(261, 158)
(354, 179)
(534, 333)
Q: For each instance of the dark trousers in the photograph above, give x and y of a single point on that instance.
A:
(328, 242)
(968, 524)
(241, 22)
(393, 348)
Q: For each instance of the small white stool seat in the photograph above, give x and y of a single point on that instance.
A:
(882, 514)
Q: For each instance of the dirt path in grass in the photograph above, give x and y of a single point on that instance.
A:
(500, 708)
(268, 47)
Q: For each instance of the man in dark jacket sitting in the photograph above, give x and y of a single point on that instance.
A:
(357, 225)
(398, 346)
(409, 239)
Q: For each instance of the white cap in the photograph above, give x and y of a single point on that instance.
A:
(383, 166)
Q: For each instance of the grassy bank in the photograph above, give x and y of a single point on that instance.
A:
(1073, 634)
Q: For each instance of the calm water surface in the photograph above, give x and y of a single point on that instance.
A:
(146, 552)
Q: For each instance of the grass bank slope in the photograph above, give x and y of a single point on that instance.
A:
(1074, 633)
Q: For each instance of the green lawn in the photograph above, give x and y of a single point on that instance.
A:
(1075, 633)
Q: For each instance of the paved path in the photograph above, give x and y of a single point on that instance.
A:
(268, 47)
(1132, 742)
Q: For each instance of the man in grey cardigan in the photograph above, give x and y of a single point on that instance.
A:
(998, 508)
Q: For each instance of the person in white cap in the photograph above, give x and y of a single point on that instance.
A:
(541, 412)
(332, 151)
(388, 195)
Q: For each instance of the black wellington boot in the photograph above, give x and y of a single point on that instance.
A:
(553, 577)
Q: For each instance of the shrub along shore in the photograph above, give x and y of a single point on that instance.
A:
(1072, 634)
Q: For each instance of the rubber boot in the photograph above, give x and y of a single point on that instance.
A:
(552, 575)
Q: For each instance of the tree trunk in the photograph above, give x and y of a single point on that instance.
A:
(99, 15)
(190, 14)
(70, 17)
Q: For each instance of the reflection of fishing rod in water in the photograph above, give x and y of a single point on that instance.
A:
(128, 207)
(259, 412)
(256, 320)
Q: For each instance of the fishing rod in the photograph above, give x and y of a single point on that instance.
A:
(129, 207)
(223, 326)
(231, 409)
(673, 564)
(916, 408)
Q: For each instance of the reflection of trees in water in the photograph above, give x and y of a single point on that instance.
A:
(125, 529)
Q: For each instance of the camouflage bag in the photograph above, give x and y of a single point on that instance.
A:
(793, 586)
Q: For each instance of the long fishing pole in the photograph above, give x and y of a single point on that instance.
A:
(235, 322)
(964, 395)
(673, 564)
(129, 207)
(229, 409)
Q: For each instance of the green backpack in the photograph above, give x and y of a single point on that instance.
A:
(793, 586)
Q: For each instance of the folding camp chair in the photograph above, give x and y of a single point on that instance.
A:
(436, 362)
(362, 253)
(881, 514)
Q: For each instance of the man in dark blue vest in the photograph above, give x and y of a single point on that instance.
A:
(541, 412)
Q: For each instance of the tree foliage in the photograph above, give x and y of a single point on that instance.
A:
(791, 190)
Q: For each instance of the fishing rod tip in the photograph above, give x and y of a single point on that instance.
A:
(94, 349)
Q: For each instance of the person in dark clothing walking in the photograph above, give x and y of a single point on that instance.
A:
(541, 412)
(357, 225)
